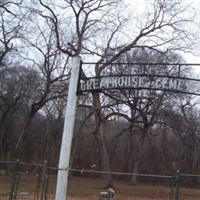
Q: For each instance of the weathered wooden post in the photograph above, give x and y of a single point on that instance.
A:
(62, 179)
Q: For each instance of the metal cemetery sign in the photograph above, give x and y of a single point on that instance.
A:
(138, 80)
(135, 81)
(143, 78)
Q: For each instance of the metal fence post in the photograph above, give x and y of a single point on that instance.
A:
(15, 181)
(44, 179)
(177, 184)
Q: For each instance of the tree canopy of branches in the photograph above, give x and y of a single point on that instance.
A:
(45, 34)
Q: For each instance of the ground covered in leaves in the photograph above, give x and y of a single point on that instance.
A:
(87, 188)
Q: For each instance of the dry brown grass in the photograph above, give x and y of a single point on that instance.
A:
(82, 188)
(90, 188)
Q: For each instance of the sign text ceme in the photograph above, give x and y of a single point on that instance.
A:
(135, 82)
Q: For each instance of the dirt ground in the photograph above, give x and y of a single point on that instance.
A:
(86, 188)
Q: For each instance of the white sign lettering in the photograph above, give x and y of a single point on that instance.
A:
(136, 82)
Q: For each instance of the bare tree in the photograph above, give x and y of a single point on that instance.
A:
(11, 27)
(53, 68)
(18, 85)
(142, 112)
(183, 119)
(96, 29)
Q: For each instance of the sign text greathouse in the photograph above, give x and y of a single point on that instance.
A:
(136, 82)
(143, 78)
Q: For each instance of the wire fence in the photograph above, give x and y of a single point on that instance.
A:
(19, 180)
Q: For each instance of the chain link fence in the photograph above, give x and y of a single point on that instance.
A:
(19, 180)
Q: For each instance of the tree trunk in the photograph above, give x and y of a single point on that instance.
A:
(137, 158)
(4, 150)
(164, 150)
(194, 169)
(138, 152)
(105, 158)
(99, 135)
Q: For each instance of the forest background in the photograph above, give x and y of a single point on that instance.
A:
(113, 131)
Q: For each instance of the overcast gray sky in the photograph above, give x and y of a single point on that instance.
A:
(139, 6)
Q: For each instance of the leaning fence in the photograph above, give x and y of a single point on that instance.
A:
(19, 180)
